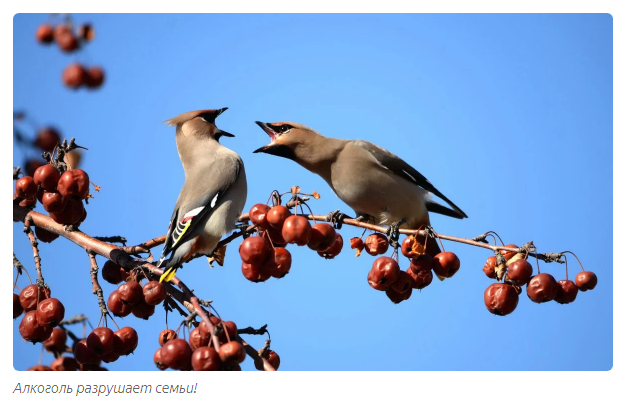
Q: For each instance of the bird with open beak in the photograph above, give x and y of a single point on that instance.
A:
(378, 185)
(213, 195)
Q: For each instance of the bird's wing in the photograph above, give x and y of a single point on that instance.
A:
(398, 166)
(189, 213)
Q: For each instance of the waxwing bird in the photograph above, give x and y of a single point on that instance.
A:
(213, 195)
(377, 184)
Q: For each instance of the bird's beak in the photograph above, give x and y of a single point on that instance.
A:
(225, 133)
(220, 112)
(269, 132)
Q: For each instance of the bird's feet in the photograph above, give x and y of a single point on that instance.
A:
(243, 228)
(393, 233)
(336, 218)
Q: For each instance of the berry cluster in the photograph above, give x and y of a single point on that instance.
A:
(130, 296)
(386, 275)
(265, 256)
(61, 195)
(105, 345)
(41, 313)
(502, 298)
(68, 41)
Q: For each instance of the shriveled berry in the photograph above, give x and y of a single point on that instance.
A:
(232, 353)
(206, 359)
(519, 272)
(376, 244)
(256, 273)
(198, 339)
(322, 237)
(53, 202)
(489, 267)
(403, 283)
(176, 354)
(84, 354)
(113, 273)
(154, 293)
(26, 187)
(509, 254)
(130, 293)
(71, 214)
(74, 183)
(116, 306)
(421, 279)
(258, 215)
(397, 297)
(47, 176)
(57, 342)
(143, 310)
(357, 243)
(109, 357)
(158, 362)
(334, 250)
(501, 298)
(30, 296)
(279, 262)
(31, 331)
(205, 332)
(101, 341)
(384, 272)
(421, 264)
(166, 335)
(50, 312)
(411, 248)
(254, 250)
(17, 307)
(125, 341)
(567, 292)
(542, 288)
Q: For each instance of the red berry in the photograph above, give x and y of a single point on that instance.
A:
(30, 297)
(296, 230)
(206, 359)
(154, 293)
(256, 273)
(74, 183)
(57, 342)
(176, 354)
(71, 214)
(198, 339)
(542, 288)
(67, 42)
(65, 363)
(421, 279)
(376, 244)
(277, 215)
(46, 176)
(403, 283)
(445, 264)
(279, 262)
(205, 332)
(501, 298)
(519, 272)
(272, 358)
(73, 76)
(50, 312)
(508, 254)
(44, 235)
(26, 187)
(258, 215)
(32, 331)
(45, 33)
(143, 310)
(421, 264)
(94, 77)
(116, 306)
(109, 357)
(47, 139)
(396, 297)
(322, 237)
(130, 293)
(166, 336)
(53, 202)
(384, 272)
(101, 341)
(410, 248)
(254, 250)
(567, 292)
(232, 353)
(125, 341)
(17, 307)
(113, 273)
(489, 267)
(586, 280)
(84, 354)
(158, 362)
(334, 250)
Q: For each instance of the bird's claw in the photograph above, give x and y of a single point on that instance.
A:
(243, 228)
(393, 233)
(336, 218)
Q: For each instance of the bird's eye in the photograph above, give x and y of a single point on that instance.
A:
(284, 128)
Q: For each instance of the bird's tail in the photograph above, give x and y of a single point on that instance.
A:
(168, 274)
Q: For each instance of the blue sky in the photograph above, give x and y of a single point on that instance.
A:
(510, 116)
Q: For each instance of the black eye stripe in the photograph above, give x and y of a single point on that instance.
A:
(208, 116)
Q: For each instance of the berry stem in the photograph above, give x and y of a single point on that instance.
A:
(578, 260)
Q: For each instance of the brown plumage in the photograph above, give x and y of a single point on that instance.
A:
(377, 184)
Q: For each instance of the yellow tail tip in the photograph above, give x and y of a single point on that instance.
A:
(168, 275)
